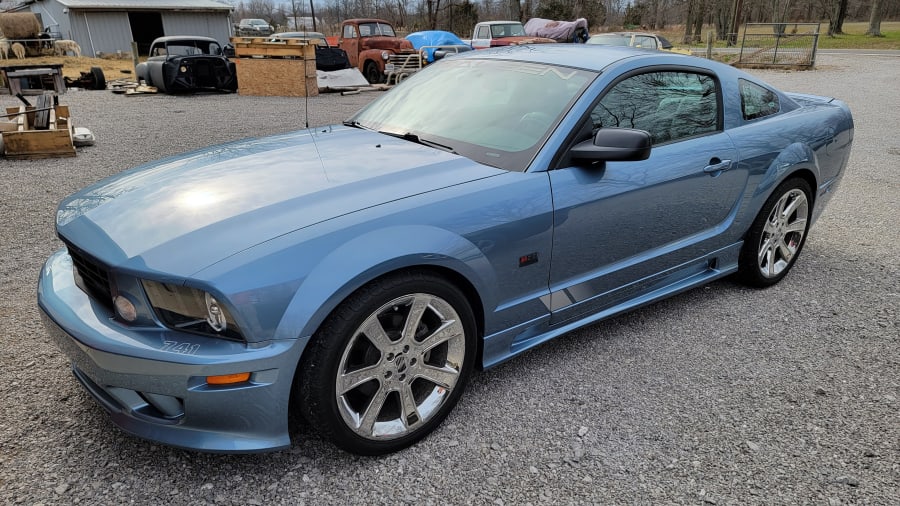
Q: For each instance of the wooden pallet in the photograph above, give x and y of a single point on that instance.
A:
(259, 47)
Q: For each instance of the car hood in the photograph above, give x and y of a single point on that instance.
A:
(390, 43)
(182, 214)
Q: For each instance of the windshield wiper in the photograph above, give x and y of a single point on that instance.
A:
(354, 124)
(409, 136)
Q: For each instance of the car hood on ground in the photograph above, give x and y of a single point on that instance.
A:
(179, 215)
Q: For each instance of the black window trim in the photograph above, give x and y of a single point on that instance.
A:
(758, 85)
(560, 160)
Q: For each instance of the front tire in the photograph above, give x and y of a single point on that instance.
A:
(389, 364)
(777, 235)
(372, 74)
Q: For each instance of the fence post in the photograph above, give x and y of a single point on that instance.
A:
(135, 58)
(743, 41)
(775, 54)
(815, 48)
(709, 43)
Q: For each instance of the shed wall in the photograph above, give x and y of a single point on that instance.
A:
(209, 24)
(97, 32)
(110, 31)
(51, 15)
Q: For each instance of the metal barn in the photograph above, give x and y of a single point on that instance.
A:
(109, 26)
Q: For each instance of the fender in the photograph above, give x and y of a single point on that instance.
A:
(374, 254)
(372, 55)
(794, 158)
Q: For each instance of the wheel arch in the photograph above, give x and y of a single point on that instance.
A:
(374, 56)
(796, 160)
(388, 251)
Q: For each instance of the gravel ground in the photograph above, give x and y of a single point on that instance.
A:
(722, 395)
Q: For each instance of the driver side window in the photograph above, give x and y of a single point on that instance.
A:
(669, 105)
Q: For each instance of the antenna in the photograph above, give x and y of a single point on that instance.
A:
(305, 77)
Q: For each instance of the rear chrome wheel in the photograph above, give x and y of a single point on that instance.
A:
(389, 364)
(777, 235)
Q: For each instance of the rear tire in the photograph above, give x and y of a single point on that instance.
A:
(777, 235)
(389, 364)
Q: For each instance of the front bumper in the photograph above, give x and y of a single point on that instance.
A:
(152, 380)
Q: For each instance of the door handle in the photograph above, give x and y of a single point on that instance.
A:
(716, 166)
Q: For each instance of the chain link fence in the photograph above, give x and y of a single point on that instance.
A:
(789, 44)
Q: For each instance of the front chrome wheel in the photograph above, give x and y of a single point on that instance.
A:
(783, 233)
(389, 364)
(400, 366)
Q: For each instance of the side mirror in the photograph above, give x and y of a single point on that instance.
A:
(614, 145)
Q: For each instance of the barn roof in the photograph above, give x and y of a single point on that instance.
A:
(205, 5)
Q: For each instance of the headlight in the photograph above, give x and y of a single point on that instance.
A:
(191, 310)
(385, 55)
(183, 69)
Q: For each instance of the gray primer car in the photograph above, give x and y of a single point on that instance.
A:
(185, 63)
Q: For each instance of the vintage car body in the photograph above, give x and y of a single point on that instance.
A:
(370, 44)
(328, 58)
(641, 40)
(357, 274)
(254, 28)
(179, 64)
(436, 44)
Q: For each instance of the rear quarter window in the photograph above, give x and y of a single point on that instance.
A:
(757, 101)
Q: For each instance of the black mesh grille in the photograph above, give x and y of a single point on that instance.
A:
(91, 276)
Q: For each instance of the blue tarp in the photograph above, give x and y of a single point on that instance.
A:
(434, 38)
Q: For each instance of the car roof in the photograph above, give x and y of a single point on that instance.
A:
(366, 20)
(588, 57)
(170, 38)
(298, 35)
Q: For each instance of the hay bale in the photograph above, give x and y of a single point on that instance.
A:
(19, 25)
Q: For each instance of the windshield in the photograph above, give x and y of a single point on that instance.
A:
(508, 30)
(645, 41)
(609, 40)
(186, 48)
(495, 112)
(374, 29)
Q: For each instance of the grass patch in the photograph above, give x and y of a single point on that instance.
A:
(854, 36)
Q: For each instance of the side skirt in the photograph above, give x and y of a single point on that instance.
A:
(504, 345)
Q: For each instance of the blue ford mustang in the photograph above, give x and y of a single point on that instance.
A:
(357, 274)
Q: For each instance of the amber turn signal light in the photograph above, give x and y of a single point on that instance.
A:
(228, 379)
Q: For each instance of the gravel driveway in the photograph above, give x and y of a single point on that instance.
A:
(722, 395)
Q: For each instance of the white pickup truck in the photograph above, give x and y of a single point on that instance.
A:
(502, 33)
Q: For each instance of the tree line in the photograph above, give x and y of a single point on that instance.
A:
(459, 16)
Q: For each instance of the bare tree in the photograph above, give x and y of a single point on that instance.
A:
(875, 20)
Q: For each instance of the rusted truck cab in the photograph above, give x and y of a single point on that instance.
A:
(502, 33)
(370, 44)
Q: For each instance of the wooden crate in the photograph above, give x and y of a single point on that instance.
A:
(276, 77)
(283, 68)
(27, 143)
